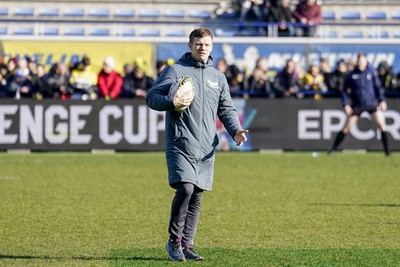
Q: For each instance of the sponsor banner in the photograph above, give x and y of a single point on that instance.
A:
(293, 124)
(129, 125)
(70, 52)
(245, 55)
(80, 125)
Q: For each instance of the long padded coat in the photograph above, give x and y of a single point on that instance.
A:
(190, 135)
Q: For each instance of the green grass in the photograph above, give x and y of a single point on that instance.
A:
(78, 209)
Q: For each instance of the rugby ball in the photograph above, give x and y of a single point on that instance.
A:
(184, 87)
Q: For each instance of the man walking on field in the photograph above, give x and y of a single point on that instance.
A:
(363, 88)
(191, 136)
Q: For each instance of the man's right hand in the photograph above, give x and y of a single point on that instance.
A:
(348, 110)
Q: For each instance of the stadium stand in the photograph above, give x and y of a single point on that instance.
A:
(49, 12)
(124, 13)
(23, 30)
(74, 31)
(50, 31)
(24, 11)
(3, 11)
(352, 15)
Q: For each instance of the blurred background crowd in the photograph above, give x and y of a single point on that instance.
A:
(24, 78)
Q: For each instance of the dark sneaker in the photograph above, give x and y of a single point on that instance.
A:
(174, 249)
(190, 254)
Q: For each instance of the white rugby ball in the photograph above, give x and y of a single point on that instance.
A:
(184, 87)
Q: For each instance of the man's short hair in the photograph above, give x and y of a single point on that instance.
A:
(200, 33)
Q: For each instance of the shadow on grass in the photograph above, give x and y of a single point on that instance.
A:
(221, 257)
(82, 258)
(356, 205)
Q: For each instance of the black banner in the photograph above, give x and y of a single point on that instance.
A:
(129, 125)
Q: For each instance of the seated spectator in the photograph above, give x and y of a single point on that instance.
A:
(282, 15)
(326, 71)
(83, 81)
(57, 81)
(258, 84)
(235, 79)
(128, 68)
(3, 85)
(21, 86)
(338, 76)
(387, 77)
(39, 81)
(286, 82)
(313, 80)
(11, 66)
(309, 14)
(233, 76)
(109, 81)
(252, 10)
(136, 83)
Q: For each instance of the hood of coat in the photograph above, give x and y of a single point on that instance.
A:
(187, 59)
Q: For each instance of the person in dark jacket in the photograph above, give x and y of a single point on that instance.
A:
(136, 84)
(308, 13)
(386, 76)
(362, 92)
(338, 76)
(286, 82)
(190, 136)
(282, 15)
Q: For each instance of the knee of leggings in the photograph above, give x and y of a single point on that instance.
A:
(186, 189)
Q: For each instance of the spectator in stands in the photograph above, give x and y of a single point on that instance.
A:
(11, 66)
(309, 14)
(58, 81)
(39, 81)
(286, 82)
(235, 78)
(22, 66)
(282, 14)
(351, 65)
(252, 10)
(233, 75)
(128, 68)
(136, 83)
(3, 81)
(258, 84)
(83, 81)
(326, 72)
(109, 81)
(338, 77)
(21, 85)
(161, 64)
(387, 77)
(313, 80)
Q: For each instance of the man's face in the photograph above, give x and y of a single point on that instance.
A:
(201, 48)
(362, 63)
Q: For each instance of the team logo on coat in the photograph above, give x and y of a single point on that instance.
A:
(369, 76)
(213, 85)
(355, 76)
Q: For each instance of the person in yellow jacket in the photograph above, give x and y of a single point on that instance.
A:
(83, 81)
(313, 80)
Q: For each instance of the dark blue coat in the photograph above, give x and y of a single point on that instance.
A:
(362, 89)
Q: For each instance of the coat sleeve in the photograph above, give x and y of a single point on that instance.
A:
(157, 97)
(226, 111)
(344, 90)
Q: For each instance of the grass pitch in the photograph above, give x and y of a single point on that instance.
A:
(291, 209)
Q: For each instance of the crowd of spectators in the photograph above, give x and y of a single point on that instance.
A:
(24, 78)
(299, 20)
(317, 81)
